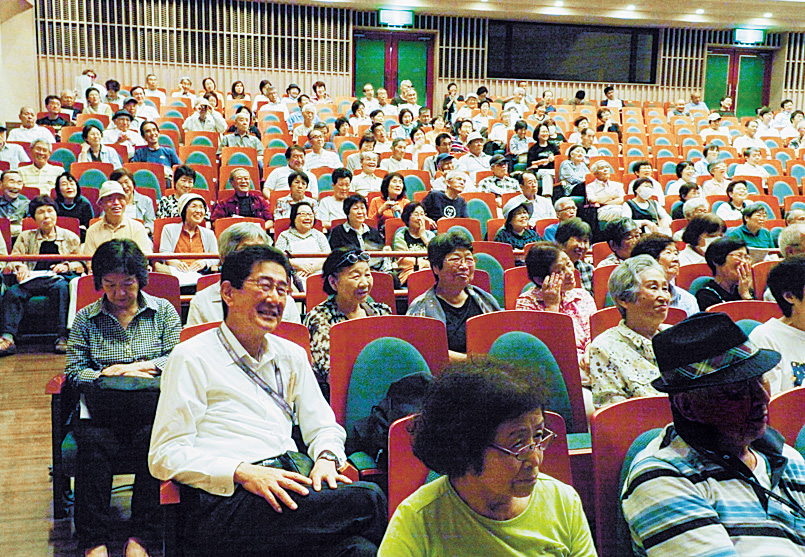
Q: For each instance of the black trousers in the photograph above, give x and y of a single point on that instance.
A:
(100, 448)
(57, 289)
(347, 521)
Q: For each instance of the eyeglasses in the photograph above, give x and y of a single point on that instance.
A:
(546, 437)
(267, 285)
(456, 260)
(351, 258)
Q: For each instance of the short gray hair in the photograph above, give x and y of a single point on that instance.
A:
(44, 142)
(562, 200)
(692, 204)
(792, 236)
(232, 237)
(624, 282)
(598, 165)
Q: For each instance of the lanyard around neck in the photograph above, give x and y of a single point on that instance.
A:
(277, 396)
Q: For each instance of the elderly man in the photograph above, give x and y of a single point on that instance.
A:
(565, 209)
(714, 129)
(679, 109)
(448, 203)
(366, 143)
(40, 174)
(369, 101)
(791, 242)
(573, 237)
(29, 131)
(499, 182)
(621, 235)
(402, 93)
(67, 99)
(410, 103)
(382, 143)
(46, 238)
(13, 205)
(384, 104)
(115, 224)
(518, 103)
(207, 306)
(185, 91)
(604, 193)
(245, 202)
(476, 160)
(242, 137)
(308, 119)
(275, 103)
(204, 118)
(238, 390)
(794, 216)
(121, 134)
(696, 102)
(10, 152)
(397, 160)
(367, 181)
(718, 481)
(538, 207)
(319, 157)
(151, 88)
(750, 139)
(278, 179)
(444, 164)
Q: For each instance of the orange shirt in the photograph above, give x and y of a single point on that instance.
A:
(378, 202)
(188, 244)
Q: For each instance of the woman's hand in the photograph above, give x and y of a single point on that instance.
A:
(197, 265)
(60, 268)
(134, 369)
(552, 291)
(22, 272)
(181, 265)
(745, 280)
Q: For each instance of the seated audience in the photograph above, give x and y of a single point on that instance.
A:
(126, 333)
(233, 443)
(751, 138)
(332, 207)
(643, 169)
(730, 264)
(554, 278)
(538, 207)
(94, 104)
(138, 206)
(11, 153)
(245, 202)
(621, 235)
(717, 480)
(54, 118)
(115, 224)
(717, 185)
(752, 231)
(297, 184)
(700, 232)
(13, 205)
(347, 280)
(120, 134)
(93, 150)
(516, 230)
(686, 174)
(70, 203)
(686, 193)
(41, 174)
(37, 278)
(29, 131)
(572, 175)
(491, 498)
(414, 236)
(663, 249)
(367, 181)
(189, 236)
(622, 360)
(397, 160)
(752, 166)
(301, 237)
(499, 182)
(448, 203)
(184, 180)
(649, 215)
(366, 143)
(206, 306)
(204, 118)
(605, 194)
(357, 234)
(392, 200)
(320, 157)
(702, 166)
(573, 237)
(453, 299)
(154, 152)
(738, 193)
(242, 137)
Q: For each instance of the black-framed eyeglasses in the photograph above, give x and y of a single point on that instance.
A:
(546, 438)
(352, 257)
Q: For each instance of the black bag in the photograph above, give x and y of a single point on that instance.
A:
(403, 398)
(119, 400)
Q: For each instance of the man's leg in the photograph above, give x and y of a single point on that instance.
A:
(328, 522)
(14, 300)
(59, 297)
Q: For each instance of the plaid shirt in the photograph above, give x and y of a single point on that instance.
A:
(586, 273)
(97, 340)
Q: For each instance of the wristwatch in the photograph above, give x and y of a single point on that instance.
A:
(332, 457)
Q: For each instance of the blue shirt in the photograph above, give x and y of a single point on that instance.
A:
(163, 155)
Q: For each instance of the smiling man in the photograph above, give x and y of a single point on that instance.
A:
(229, 398)
(718, 481)
(40, 174)
(115, 224)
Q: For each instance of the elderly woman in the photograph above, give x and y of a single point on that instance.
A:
(554, 278)
(717, 185)
(491, 498)
(621, 235)
(516, 231)
(645, 211)
(127, 333)
(730, 264)
(622, 361)
(46, 238)
(93, 150)
(70, 202)
(453, 299)
(298, 182)
(691, 208)
(700, 232)
(392, 200)
(301, 237)
(347, 279)
(94, 104)
(184, 179)
(663, 249)
(189, 236)
(414, 236)
(572, 174)
(752, 231)
(685, 173)
(737, 192)
(138, 206)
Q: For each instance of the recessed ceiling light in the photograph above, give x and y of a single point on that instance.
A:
(631, 7)
(699, 11)
(558, 3)
(767, 15)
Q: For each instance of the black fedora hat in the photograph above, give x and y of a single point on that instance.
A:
(707, 349)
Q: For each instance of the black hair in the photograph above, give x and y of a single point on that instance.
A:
(608, 88)
(579, 120)
(731, 186)
(356, 105)
(297, 174)
(87, 128)
(464, 408)
(443, 245)
(572, 228)
(652, 244)
(520, 125)
(366, 138)
(441, 137)
(295, 210)
(540, 259)
(339, 173)
(119, 256)
(237, 95)
(238, 265)
(708, 223)
(407, 210)
(717, 252)
(637, 164)
(340, 122)
(41, 201)
(402, 112)
(182, 171)
(617, 230)
(685, 189)
(112, 85)
(384, 185)
(711, 147)
(57, 187)
(787, 276)
(335, 262)
(682, 166)
(482, 90)
(511, 214)
(52, 98)
(352, 200)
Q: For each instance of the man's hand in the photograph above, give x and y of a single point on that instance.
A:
(272, 484)
(324, 470)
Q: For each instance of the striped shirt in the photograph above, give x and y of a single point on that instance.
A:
(678, 503)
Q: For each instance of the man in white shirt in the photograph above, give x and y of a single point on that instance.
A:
(369, 101)
(714, 129)
(367, 181)
(750, 139)
(274, 103)
(332, 207)
(384, 104)
(538, 207)
(476, 160)
(9, 152)
(229, 398)
(278, 179)
(151, 88)
(143, 112)
(30, 131)
(710, 156)
(367, 143)
(397, 160)
(411, 97)
(204, 119)
(184, 91)
(308, 118)
(319, 156)
(382, 143)
(120, 134)
(610, 100)
(517, 103)
(443, 143)
(696, 102)
(40, 174)
(783, 118)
